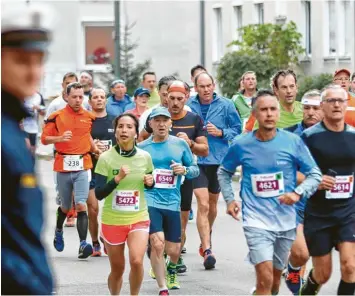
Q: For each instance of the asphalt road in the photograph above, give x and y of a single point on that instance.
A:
(233, 275)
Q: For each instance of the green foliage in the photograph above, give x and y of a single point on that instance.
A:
(308, 83)
(131, 73)
(234, 64)
(281, 43)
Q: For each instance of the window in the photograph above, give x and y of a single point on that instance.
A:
(237, 23)
(307, 33)
(99, 44)
(259, 9)
(344, 28)
(217, 34)
(238, 17)
(332, 27)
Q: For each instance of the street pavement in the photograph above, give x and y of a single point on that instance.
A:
(233, 275)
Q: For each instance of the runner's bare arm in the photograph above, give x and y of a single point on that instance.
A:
(200, 147)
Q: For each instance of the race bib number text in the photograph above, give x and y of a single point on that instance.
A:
(73, 162)
(343, 187)
(164, 179)
(126, 200)
(268, 185)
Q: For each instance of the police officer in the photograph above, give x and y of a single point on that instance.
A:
(24, 268)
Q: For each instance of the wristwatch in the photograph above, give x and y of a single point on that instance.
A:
(185, 173)
(192, 144)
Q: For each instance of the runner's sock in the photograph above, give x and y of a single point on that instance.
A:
(292, 268)
(60, 218)
(171, 267)
(82, 225)
(311, 287)
(346, 288)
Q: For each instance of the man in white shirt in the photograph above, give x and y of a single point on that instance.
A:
(35, 107)
(61, 101)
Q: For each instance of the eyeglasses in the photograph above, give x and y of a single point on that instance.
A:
(341, 79)
(334, 100)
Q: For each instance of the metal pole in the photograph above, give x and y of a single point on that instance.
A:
(117, 39)
(202, 32)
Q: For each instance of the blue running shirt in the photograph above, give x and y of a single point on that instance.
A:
(166, 192)
(269, 170)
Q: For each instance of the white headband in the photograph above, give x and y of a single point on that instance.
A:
(86, 74)
(306, 101)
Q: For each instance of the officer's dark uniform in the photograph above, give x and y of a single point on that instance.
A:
(24, 267)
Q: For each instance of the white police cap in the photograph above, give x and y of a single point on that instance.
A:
(27, 27)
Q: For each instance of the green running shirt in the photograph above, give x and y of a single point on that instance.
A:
(126, 204)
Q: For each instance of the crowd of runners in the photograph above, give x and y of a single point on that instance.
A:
(147, 160)
(146, 156)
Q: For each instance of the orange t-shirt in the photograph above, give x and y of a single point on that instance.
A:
(250, 123)
(350, 111)
(79, 123)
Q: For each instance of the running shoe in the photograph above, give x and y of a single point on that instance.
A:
(58, 241)
(70, 222)
(85, 250)
(200, 250)
(191, 215)
(183, 250)
(172, 281)
(293, 281)
(209, 261)
(151, 273)
(164, 292)
(97, 250)
(180, 266)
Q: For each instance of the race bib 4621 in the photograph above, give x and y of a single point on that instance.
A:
(268, 185)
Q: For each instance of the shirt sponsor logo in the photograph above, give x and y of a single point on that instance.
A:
(28, 181)
(110, 130)
(115, 172)
(281, 162)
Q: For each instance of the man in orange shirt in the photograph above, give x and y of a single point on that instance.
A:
(342, 78)
(69, 130)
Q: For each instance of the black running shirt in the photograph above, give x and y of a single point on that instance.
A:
(336, 151)
(191, 124)
(102, 129)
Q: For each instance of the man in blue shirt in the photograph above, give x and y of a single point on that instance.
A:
(270, 159)
(172, 159)
(222, 123)
(312, 114)
(119, 101)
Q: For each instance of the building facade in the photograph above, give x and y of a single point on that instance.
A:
(327, 26)
(168, 33)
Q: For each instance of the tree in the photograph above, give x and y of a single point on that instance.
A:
(131, 73)
(234, 64)
(313, 82)
(281, 43)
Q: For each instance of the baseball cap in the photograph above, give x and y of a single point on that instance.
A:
(160, 111)
(141, 91)
(342, 70)
(28, 28)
